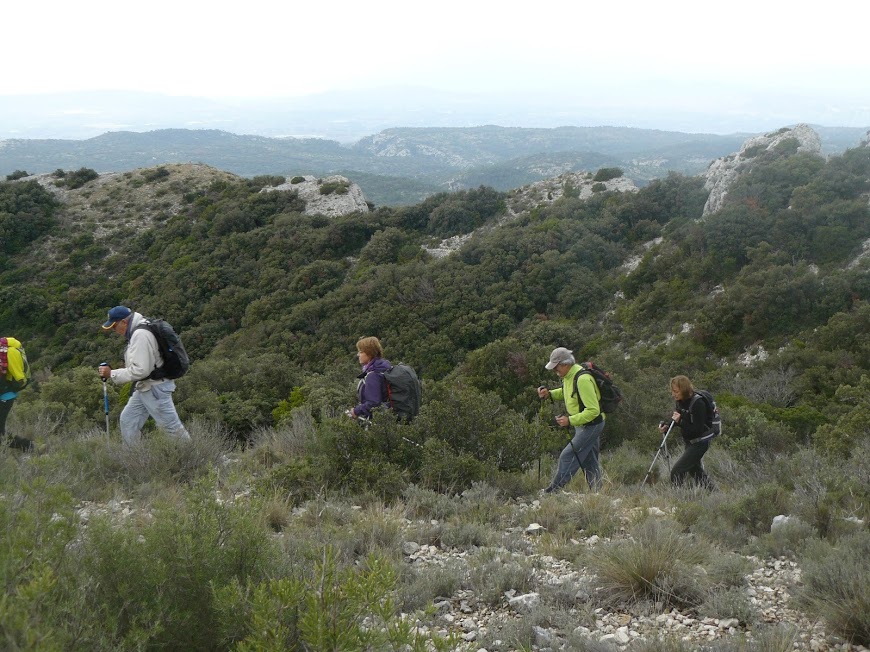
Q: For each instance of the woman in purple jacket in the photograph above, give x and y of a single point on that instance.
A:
(372, 388)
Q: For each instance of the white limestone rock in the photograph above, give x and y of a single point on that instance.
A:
(723, 172)
(333, 204)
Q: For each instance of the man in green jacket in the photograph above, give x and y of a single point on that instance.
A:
(584, 415)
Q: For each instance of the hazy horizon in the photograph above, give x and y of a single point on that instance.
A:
(282, 69)
(347, 116)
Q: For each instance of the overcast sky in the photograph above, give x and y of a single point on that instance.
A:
(665, 51)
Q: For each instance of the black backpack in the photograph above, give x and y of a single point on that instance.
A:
(404, 391)
(713, 420)
(175, 359)
(611, 396)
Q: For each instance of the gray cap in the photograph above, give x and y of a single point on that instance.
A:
(559, 356)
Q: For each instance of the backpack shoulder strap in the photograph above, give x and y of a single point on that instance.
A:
(583, 371)
(708, 406)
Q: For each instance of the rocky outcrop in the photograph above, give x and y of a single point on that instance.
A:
(331, 196)
(575, 184)
(578, 184)
(723, 172)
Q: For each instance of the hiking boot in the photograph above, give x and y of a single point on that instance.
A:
(22, 444)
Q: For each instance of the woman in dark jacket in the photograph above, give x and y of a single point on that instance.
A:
(691, 417)
(372, 388)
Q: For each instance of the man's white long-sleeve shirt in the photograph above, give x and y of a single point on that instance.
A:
(141, 357)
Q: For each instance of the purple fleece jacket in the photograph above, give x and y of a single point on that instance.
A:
(372, 389)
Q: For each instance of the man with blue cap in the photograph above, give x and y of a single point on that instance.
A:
(151, 397)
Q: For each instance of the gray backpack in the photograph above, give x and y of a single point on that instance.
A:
(404, 391)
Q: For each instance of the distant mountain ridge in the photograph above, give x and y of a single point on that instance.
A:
(437, 158)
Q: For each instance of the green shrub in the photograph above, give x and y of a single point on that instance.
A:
(377, 475)
(839, 439)
(78, 178)
(27, 212)
(297, 179)
(836, 585)
(606, 174)
(155, 174)
(446, 470)
(337, 187)
(751, 433)
(755, 510)
(156, 580)
(268, 180)
(337, 608)
(598, 187)
(38, 525)
(296, 480)
(17, 174)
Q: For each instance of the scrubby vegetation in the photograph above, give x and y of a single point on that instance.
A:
(248, 538)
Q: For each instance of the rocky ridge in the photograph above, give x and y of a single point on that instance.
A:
(541, 193)
(724, 171)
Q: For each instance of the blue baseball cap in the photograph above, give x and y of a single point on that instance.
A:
(116, 314)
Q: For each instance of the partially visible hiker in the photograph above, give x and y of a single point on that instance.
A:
(584, 415)
(691, 415)
(13, 378)
(150, 398)
(372, 387)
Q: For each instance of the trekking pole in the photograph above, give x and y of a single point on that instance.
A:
(662, 447)
(106, 400)
(539, 452)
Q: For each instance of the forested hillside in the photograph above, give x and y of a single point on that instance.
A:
(765, 302)
(270, 300)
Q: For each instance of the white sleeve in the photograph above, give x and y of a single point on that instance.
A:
(141, 358)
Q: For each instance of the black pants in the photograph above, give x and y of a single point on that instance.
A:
(690, 464)
(5, 409)
(14, 442)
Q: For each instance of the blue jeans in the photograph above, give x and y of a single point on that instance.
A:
(585, 447)
(155, 402)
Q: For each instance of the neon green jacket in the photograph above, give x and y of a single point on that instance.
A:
(588, 393)
(15, 378)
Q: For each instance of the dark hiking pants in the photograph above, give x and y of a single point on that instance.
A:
(690, 464)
